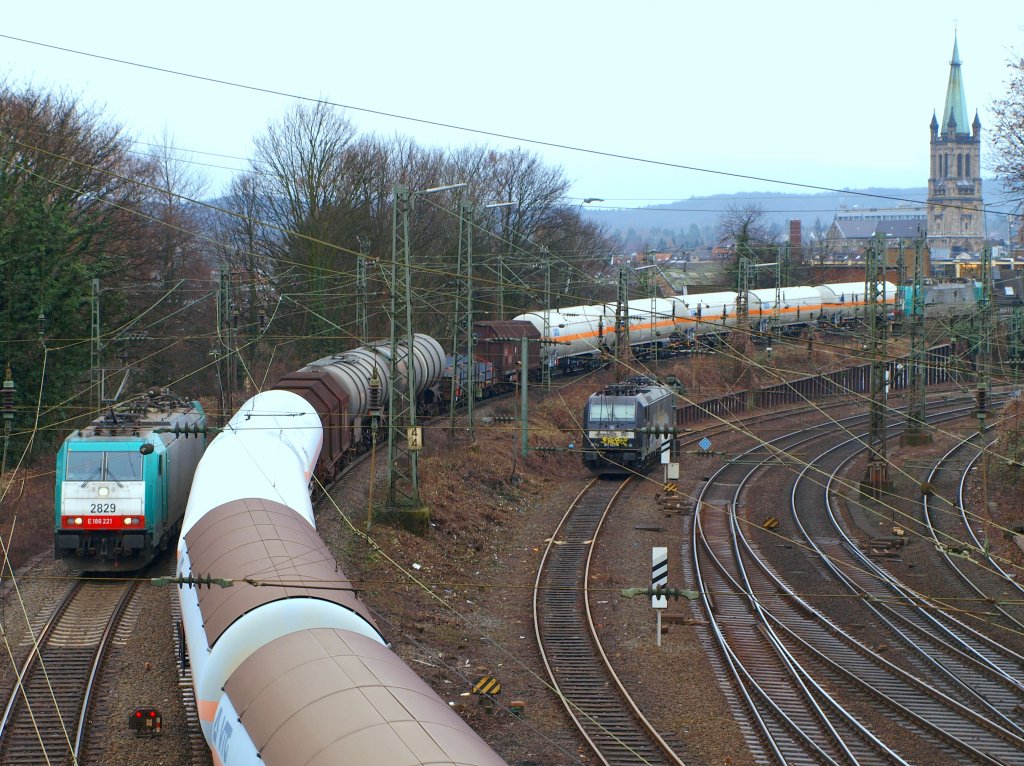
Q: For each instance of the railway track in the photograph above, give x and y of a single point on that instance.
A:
(44, 719)
(795, 718)
(580, 673)
(952, 529)
(945, 704)
(571, 652)
(959, 685)
(199, 752)
(767, 633)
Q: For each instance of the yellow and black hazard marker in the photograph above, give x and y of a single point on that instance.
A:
(770, 523)
(487, 685)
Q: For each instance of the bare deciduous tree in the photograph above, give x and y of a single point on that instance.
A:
(301, 187)
(747, 230)
(1007, 134)
(176, 187)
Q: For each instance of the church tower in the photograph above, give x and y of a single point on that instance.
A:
(956, 220)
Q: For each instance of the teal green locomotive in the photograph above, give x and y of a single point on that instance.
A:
(123, 481)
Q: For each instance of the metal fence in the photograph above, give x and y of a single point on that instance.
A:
(813, 388)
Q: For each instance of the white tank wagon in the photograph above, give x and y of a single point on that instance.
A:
(581, 333)
(289, 668)
(354, 370)
(585, 331)
(797, 305)
(712, 313)
(654, 321)
(845, 301)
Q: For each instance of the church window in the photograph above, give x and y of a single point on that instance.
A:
(959, 166)
(968, 168)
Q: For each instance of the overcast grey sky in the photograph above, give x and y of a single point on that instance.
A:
(827, 94)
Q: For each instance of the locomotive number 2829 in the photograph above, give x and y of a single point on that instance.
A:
(103, 508)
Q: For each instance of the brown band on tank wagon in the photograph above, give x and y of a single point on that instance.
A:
(325, 696)
(270, 543)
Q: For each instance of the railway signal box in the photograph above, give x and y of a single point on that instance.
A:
(145, 722)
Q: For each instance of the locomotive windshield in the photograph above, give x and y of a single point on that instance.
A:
(104, 466)
(609, 414)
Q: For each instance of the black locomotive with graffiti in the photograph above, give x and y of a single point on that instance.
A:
(621, 424)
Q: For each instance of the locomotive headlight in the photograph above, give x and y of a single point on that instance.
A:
(129, 521)
(103, 491)
(78, 521)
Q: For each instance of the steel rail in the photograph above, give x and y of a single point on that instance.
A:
(101, 650)
(612, 724)
(68, 676)
(1006, 733)
(972, 643)
(996, 576)
(26, 666)
(810, 690)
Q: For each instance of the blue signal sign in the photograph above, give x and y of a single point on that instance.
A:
(704, 444)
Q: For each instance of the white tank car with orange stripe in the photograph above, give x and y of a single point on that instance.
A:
(790, 305)
(846, 300)
(586, 330)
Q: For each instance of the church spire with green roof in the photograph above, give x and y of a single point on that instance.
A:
(956, 212)
(956, 104)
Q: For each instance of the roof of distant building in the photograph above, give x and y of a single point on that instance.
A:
(903, 212)
(860, 229)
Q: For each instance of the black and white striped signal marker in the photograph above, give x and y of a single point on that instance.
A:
(659, 575)
(666, 451)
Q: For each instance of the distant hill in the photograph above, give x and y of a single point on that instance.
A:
(676, 224)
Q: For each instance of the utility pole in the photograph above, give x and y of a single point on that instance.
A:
(463, 329)
(524, 396)
(362, 291)
(545, 359)
(403, 450)
(777, 310)
(876, 479)
(501, 287)
(744, 272)
(505, 244)
(1009, 243)
(99, 374)
(1016, 344)
(7, 408)
(915, 432)
(901, 278)
(983, 357)
(224, 350)
(623, 351)
(96, 349)
(651, 288)
(741, 340)
(402, 465)
(1016, 359)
